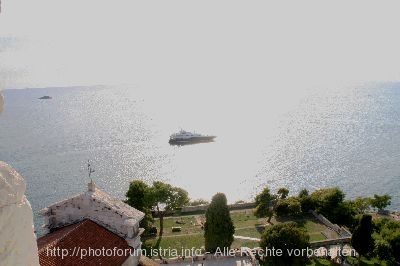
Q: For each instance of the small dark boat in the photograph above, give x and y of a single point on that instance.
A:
(45, 97)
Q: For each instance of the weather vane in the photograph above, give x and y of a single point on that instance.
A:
(90, 169)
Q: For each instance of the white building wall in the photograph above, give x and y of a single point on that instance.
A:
(95, 206)
(17, 238)
(101, 208)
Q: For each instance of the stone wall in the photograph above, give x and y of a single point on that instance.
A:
(236, 206)
(343, 232)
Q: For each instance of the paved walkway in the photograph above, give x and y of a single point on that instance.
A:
(202, 232)
(246, 238)
(244, 261)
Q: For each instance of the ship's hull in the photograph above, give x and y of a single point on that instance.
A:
(185, 141)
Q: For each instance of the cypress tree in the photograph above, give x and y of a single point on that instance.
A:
(361, 239)
(218, 229)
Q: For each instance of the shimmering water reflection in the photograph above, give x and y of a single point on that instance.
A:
(342, 137)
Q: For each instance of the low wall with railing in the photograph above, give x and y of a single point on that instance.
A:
(236, 206)
(341, 231)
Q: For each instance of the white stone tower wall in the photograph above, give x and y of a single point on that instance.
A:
(17, 238)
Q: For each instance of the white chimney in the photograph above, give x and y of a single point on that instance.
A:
(91, 186)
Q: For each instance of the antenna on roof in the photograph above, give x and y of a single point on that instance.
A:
(90, 169)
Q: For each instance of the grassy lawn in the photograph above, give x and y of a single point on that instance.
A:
(321, 262)
(245, 224)
(238, 243)
(316, 236)
(178, 242)
(314, 229)
(191, 234)
(245, 218)
(188, 225)
(365, 261)
(312, 226)
(249, 232)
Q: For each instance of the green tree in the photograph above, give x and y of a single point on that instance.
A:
(294, 206)
(290, 206)
(283, 193)
(286, 237)
(165, 198)
(305, 201)
(281, 208)
(218, 228)
(345, 214)
(179, 198)
(387, 240)
(264, 204)
(137, 195)
(394, 241)
(161, 197)
(361, 204)
(327, 201)
(361, 239)
(383, 250)
(303, 193)
(381, 202)
(389, 230)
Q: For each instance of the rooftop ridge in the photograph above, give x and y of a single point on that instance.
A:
(95, 205)
(119, 204)
(61, 202)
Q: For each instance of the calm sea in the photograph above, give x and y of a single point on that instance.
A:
(341, 137)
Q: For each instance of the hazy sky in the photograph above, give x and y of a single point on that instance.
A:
(186, 46)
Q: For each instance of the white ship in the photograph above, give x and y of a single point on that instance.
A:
(185, 137)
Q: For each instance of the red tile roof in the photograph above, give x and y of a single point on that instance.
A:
(76, 239)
